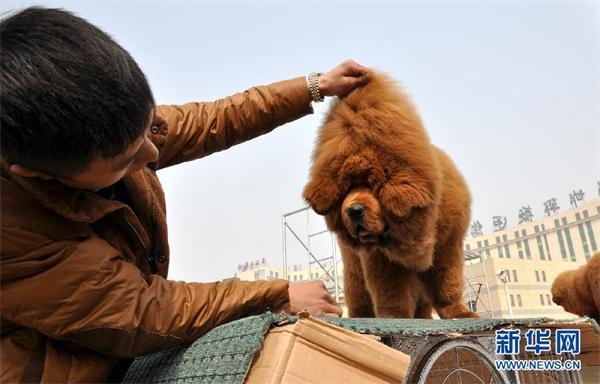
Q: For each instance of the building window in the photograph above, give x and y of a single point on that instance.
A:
(519, 302)
(561, 242)
(564, 220)
(512, 300)
(520, 249)
(523, 233)
(527, 250)
(317, 275)
(586, 249)
(548, 299)
(543, 276)
(556, 223)
(486, 244)
(507, 251)
(499, 249)
(542, 299)
(468, 247)
(301, 277)
(592, 237)
(586, 213)
(537, 276)
(515, 275)
(277, 275)
(577, 216)
(516, 234)
(536, 228)
(540, 246)
(547, 247)
(570, 244)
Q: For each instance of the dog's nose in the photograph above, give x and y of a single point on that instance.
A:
(356, 211)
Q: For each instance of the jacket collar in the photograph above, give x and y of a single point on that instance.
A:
(74, 204)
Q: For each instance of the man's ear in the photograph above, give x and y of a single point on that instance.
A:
(27, 172)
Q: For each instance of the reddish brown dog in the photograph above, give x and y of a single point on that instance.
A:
(578, 290)
(398, 205)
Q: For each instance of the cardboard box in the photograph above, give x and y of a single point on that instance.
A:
(313, 351)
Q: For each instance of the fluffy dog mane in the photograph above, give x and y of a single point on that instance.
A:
(344, 143)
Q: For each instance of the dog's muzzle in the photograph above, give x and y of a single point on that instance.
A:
(356, 212)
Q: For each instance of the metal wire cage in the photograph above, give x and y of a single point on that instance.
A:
(458, 361)
(470, 360)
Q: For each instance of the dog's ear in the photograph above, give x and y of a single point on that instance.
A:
(400, 195)
(322, 194)
(325, 188)
(560, 288)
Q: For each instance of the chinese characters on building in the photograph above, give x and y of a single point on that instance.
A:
(525, 213)
(551, 206)
(575, 197)
(476, 229)
(499, 223)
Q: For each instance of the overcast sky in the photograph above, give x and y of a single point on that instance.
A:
(511, 90)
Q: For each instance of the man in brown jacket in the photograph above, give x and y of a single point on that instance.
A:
(84, 251)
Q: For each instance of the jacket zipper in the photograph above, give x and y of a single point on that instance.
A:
(149, 255)
(154, 237)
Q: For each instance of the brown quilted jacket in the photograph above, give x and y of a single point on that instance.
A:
(83, 277)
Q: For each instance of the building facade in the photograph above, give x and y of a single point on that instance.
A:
(509, 273)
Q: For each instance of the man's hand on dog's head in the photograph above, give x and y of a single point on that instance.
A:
(344, 78)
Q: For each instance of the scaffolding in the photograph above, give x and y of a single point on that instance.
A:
(477, 287)
(327, 264)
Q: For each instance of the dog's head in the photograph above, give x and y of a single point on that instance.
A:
(363, 221)
(571, 290)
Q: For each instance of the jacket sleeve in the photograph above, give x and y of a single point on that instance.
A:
(84, 292)
(194, 130)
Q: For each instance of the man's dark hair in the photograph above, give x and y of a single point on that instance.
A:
(68, 92)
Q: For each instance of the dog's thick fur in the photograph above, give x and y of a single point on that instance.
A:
(578, 290)
(397, 203)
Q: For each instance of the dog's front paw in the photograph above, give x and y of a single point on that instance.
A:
(456, 311)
